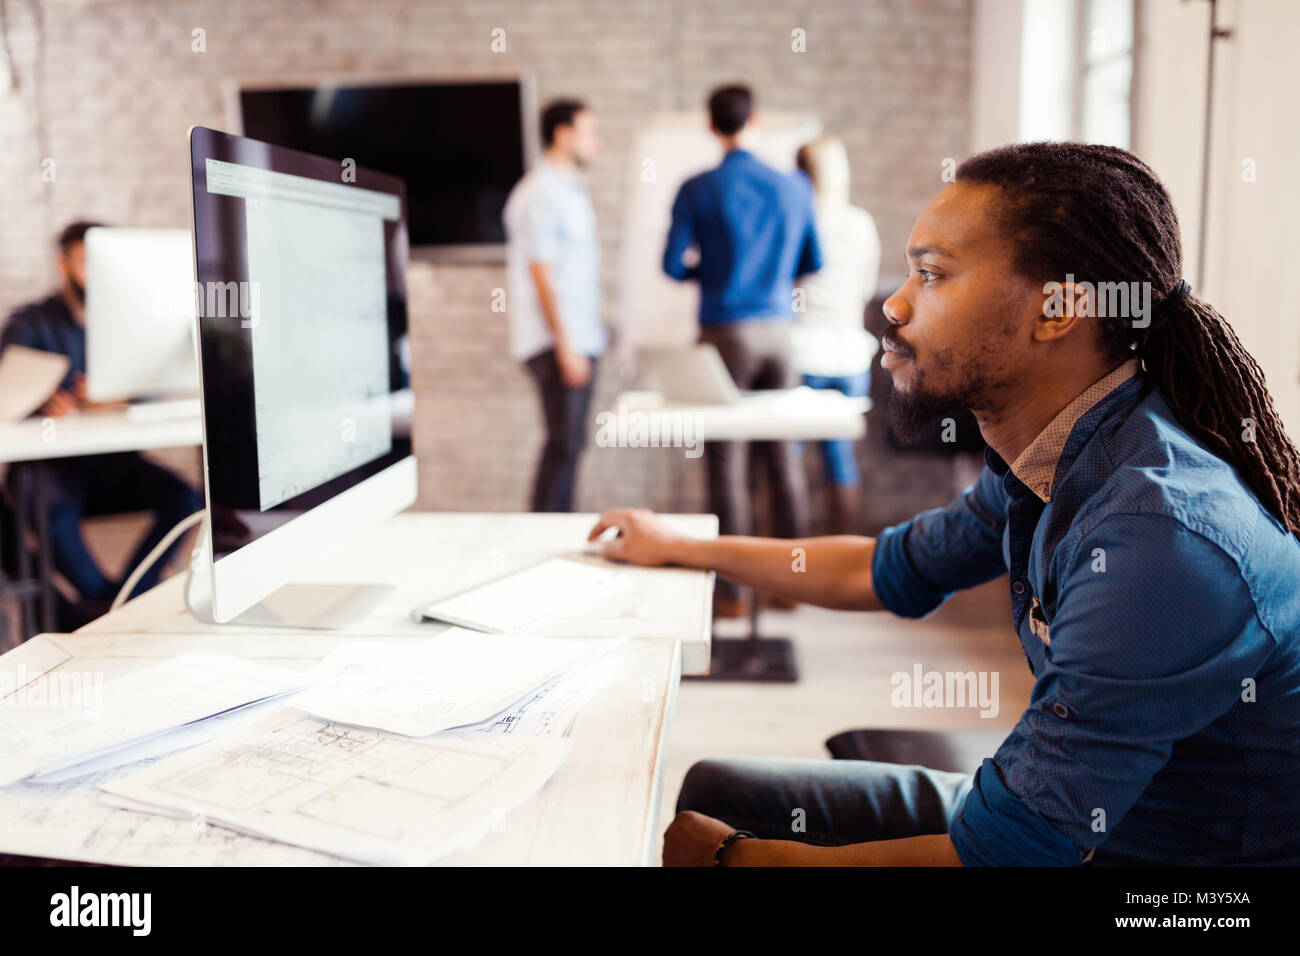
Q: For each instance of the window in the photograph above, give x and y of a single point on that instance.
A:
(1076, 75)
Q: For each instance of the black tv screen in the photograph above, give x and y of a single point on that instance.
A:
(458, 146)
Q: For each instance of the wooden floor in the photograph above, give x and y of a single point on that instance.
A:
(846, 661)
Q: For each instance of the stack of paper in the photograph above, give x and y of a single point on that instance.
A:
(360, 794)
(552, 709)
(460, 677)
(387, 754)
(51, 725)
(72, 820)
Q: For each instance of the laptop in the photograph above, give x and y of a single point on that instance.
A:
(692, 376)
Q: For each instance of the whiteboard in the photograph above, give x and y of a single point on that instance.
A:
(655, 311)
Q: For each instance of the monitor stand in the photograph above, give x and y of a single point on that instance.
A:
(305, 606)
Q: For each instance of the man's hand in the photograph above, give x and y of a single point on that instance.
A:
(62, 402)
(79, 388)
(642, 537)
(83, 399)
(692, 839)
(575, 368)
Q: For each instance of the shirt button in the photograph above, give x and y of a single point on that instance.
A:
(1018, 587)
(1060, 710)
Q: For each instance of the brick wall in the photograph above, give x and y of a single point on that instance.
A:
(107, 90)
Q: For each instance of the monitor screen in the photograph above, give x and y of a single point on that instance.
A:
(301, 295)
(139, 313)
(458, 146)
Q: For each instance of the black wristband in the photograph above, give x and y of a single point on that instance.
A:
(729, 839)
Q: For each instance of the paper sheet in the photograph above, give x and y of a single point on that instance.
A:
(552, 708)
(155, 746)
(359, 794)
(69, 716)
(71, 820)
(457, 678)
(27, 378)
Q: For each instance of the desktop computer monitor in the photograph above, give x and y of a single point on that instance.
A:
(139, 314)
(300, 264)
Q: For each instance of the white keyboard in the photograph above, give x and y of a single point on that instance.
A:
(521, 600)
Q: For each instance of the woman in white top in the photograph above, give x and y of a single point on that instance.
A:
(831, 345)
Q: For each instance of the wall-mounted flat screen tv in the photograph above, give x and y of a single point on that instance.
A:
(459, 145)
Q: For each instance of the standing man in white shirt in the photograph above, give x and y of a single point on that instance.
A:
(832, 348)
(553, 289)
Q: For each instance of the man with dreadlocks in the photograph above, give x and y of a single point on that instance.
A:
(1145, 499)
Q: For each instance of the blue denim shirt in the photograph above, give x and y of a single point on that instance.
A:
(754, 230)
(1158, 606)
(49, 326)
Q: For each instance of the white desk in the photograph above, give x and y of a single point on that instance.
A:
(427, 555)
(801, 414)
(105, 432)
(93, 433)
(601, 808)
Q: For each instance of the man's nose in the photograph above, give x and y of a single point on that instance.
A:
(896, 309)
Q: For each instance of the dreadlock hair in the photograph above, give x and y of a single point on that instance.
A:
(1100, 214)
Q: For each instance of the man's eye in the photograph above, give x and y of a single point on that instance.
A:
(926, 275)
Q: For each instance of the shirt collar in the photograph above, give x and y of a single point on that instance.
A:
(1036, 466)
(59, 309)
(567, 173)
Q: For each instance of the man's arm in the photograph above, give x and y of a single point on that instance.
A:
(930, 850)
(681, 236)
(810, 251)
(575, 367)
(910, 569)
(541, 238)
(693, 840)
(832, 572)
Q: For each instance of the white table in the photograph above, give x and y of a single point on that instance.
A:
(93, 433)
(602, 808)
(426, 555)
(800, 414)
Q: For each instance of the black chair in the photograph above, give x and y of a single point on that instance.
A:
(961, 751)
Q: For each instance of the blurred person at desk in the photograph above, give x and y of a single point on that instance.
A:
(88, 485)
(831, 344)
(553, 284)
(752, 228)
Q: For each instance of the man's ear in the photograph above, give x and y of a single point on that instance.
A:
(1066, 305)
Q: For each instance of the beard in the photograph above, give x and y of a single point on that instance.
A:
(78, 291)
(980, 390)
(911, 413)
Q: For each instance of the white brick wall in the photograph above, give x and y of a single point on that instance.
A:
(118, 85)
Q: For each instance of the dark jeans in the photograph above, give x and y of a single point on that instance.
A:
(77, 488)
(824, 802)
(565, 412)
(840, 454)
(757, 354)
